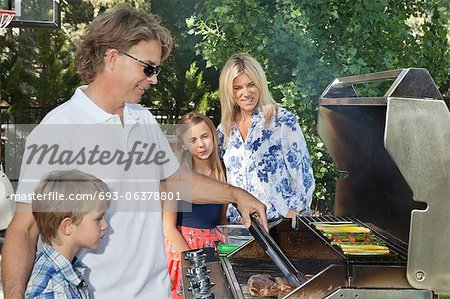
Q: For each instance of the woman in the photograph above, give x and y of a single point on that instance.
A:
(262, 145)
(196, 150)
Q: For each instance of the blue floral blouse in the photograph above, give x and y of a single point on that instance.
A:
(272, 164)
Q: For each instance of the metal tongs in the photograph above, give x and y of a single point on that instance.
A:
(293, 276)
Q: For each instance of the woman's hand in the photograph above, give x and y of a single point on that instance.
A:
(291, 214)
(248, 205)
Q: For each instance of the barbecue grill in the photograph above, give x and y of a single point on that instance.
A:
(393, 151)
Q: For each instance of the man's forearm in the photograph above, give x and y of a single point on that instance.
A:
(208, 190)
(200, 189)
(18, 255)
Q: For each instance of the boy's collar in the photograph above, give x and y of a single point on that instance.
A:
(72, 272)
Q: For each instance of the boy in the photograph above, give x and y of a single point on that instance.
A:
(69, 216)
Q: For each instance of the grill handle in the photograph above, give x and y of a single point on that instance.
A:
(293, 276)
(409, 83)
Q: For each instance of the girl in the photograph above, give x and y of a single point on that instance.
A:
(197, 151)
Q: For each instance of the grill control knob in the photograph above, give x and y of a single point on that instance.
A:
(196, 257)
(205, 296)
(198, 261)
(201, 285)
(199, 271)
(194, 253)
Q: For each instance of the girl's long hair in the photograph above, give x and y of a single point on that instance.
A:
(185, 157)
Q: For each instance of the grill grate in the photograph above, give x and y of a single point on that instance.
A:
(244, 268)
(398, 249)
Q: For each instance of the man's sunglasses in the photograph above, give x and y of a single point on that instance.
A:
(149, 70)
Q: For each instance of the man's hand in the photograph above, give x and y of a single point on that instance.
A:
(205, 190)
(248, 205)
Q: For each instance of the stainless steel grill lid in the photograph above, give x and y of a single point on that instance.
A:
(418, 139)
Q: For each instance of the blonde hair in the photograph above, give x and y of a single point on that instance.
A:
(119, 28)
(185, 157)
(236, 65)
(49, 212)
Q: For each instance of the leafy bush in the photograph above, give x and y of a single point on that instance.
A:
(304, 45)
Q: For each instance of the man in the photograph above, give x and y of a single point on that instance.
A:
(119, 57)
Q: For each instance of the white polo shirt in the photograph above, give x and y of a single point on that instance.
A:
(130, 261)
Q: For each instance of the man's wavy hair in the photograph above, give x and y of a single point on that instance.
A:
(119, 28)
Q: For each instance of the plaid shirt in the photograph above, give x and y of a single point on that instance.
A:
(54, 277)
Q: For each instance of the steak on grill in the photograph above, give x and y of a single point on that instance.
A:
(284, 287)
(264, 285)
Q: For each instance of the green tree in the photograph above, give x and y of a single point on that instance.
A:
(304, 45)
(37, 66)
(38, 69)
(184, 85)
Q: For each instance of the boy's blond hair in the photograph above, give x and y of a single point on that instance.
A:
(66, 194)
